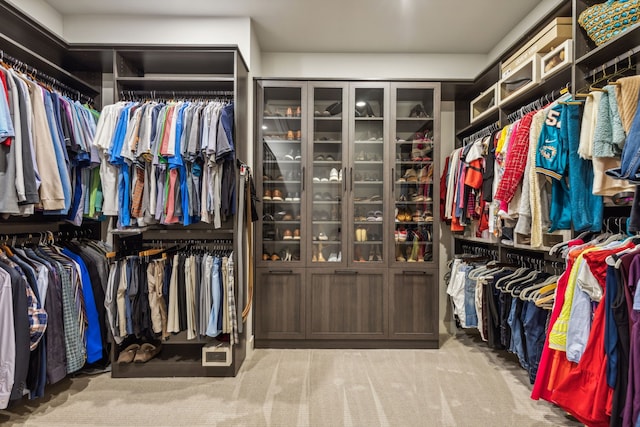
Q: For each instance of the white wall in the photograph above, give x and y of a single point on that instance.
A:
(190, 30)
(374, 66)
(40, 11)
(524, 26)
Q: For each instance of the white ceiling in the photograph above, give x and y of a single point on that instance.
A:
(365, 26)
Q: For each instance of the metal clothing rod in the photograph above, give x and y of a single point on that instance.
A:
(192, 241)
(486, 131)
(155, 94)
(537, 104)
(21, 66)
(87, 232)
(614, 61)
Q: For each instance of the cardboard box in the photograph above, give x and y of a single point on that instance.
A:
(551, 36)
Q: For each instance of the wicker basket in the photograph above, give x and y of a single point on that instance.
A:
(604, 21)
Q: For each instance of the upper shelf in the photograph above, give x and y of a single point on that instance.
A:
(141, 62)
(176, 83)
(626, 41)
(42, 64)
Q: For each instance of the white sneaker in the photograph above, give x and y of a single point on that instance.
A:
(339, 257)
(333, 257)
(340, 175)
(323, 236)
(333, 175)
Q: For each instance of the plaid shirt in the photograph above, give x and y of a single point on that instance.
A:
(37, 318)
(233, 317)
(516, 161)
(74, 340)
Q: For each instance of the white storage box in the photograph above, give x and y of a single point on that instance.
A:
(485, 103)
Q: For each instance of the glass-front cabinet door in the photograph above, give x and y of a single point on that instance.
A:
(328, 132)
(413, 186)
(282, 131)
(367, 146)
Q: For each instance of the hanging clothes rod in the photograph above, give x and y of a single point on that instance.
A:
(538, 103)
(625, 56)
(156, 94)
(486, 131)
(45, 78)
(85, 232)
(198, 241)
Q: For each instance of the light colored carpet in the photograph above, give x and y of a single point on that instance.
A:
(462, 384)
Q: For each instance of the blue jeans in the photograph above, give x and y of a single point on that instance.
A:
(534, 320)
(470, 314)
(518, 345)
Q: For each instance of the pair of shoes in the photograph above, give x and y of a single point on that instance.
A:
(322, 236)
(287, 235)
(139, 353)
(276, 195)
(293, 155)
(361, 234)
(400, 235)
(267, 195)
(410, 175)
(292, 197)
(404, 215)
(321, 257)
(418, 111)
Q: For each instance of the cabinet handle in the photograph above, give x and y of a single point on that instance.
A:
(345, 272)
(351, 179)
(303, 177)
(393, 180)
(344, 180)
(414, 273)
(280, 271)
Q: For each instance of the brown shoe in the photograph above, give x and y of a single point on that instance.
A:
(147, 352)
(290, 135)
(296, 234)
(287, 235)
(276, 195)
(299, 134)
(128, 354)
(267, 195)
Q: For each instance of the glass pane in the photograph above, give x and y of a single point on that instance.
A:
(282, 174)
(413, 183)
(368, 176)
(327, 172)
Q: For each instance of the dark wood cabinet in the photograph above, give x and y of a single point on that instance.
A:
(346, 174)
(280, 312)
(347, 304)
(413, 304)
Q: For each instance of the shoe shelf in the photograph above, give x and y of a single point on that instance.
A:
(281, 118)
(318, 142)
(376, 142)
(369, 119)
(328, 119)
